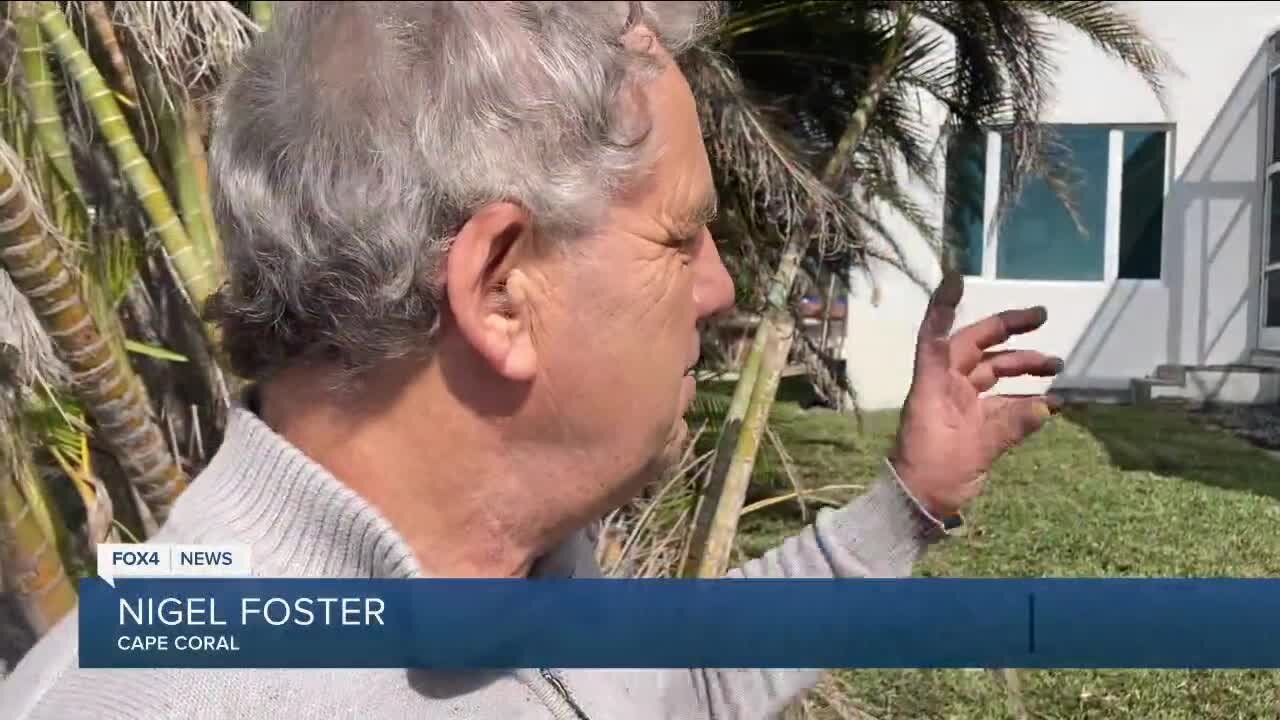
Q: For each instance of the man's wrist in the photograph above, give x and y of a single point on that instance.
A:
(945, 520)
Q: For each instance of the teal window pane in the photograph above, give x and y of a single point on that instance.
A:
(1271, 315)
(1039, 240)
(1273, 223)
(1275, 116)
(966, 184)
(1142, 204)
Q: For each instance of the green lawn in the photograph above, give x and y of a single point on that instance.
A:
(1101, 491)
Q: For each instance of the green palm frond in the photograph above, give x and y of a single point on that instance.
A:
(899, 136)
(711, 407)
(58, 419)
(902, 204)
(16, 465)
(756, 17)
(119, 254)
(762, 164)
(988, 63)
(154, 351)
(1115, 32)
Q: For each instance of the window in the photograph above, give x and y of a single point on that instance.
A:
(1273, 229)
(1272, 282)
(965, 185)
(1275, 126)
(1115, 177)
(1142, 204)
(1269, 338)
(1040, 239)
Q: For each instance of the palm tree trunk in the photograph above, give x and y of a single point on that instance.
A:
(196, 275)
(708, 525)
(107, 386)
(100, 20)
(29, 557)
(717, 524)
(41, 98)
(721, 506)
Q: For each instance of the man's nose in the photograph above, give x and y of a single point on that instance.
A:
(713, 287)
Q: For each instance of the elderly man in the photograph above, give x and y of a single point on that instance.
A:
(468, 256)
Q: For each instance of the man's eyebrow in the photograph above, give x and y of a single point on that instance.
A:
(702, 213)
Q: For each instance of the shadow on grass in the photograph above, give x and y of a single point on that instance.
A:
(1166, 441)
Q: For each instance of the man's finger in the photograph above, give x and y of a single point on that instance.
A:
(970, 342)
(1012, 363)
(941, 313)
(1011, 419)
(933, 347)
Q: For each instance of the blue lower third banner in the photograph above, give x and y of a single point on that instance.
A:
(917, 623)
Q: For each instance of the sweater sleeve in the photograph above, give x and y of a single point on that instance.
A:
(878, 535)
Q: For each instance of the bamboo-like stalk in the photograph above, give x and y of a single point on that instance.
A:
(200, 169)
(106, 385)
(712, 544)
(124, 81)
(195, 275)
(29, 556)
(826, 310)
(710, 551)
(42, 100)
(173, 133)
(708, 522)
(100, 20)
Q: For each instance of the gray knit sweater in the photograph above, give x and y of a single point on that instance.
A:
(301, 521)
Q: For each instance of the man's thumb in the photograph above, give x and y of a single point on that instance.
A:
(1016, 418)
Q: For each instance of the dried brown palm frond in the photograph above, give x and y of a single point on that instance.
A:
(32, 357)
(836, 697)
(189, 45)
(647, 537)
(765, 169)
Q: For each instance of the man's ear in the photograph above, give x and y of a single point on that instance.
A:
(486, 289)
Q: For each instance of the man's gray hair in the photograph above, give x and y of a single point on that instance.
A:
(358, 136)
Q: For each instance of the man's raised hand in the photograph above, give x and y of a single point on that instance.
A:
(950, 435)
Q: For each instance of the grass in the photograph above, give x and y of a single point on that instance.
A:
(1102, 491)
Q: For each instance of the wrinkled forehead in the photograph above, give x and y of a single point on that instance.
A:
(679, 166)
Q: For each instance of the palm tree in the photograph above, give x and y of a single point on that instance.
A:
(107, 249)
(111, 392)
(811, 127)
(811, 116)
(31, 561)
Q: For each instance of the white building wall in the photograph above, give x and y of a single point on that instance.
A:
(1205, 307)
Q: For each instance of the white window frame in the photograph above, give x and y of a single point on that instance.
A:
(1111, 223)
(1268, 337)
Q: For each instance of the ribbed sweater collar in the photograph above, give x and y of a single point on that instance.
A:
(298, 519)
(301, 521)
